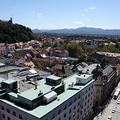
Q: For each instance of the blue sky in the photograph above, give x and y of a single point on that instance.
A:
(57, 14)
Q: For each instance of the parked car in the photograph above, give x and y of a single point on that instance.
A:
(113, 110)
(109, 117)
(118, 102)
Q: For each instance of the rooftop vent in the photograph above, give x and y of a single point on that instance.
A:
(10, 85)
(50, 96)
(53, 88)
(71, 85)
(40, 93)
(53, 80)
(83, 79)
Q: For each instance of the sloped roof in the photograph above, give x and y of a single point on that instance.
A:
(107, 70)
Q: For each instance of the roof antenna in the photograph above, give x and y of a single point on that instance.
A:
(39, 93)
(35, 83)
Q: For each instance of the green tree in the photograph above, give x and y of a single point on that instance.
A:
(12, 32)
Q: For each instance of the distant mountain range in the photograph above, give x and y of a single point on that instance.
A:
(82, 30)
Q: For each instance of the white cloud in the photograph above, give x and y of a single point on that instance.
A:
(86, 10)
(90, 9)
(38, 15)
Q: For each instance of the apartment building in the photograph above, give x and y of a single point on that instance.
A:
(105, 81)
(51, 98)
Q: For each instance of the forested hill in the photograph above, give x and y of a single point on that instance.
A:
(14, 32)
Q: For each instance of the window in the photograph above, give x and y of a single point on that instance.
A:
(89, 88)
(59, 118)
(78, 110)
(75, 100)
(73, 113)
(20, 116)
(3, 115)
(64, 115)
(81, 106)
(78, 96)
(8, 110)
(2, 107)
(81, 112)
(14, 113)
(53, 116)
(70, 111)
(8, 118)
(88, 106)
(70, 103)
(70, 118)
(59, 111)
(74, 106)
(65, 107)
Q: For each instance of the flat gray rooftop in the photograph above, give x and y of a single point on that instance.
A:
(10, 73)
(32, 93)
(9, 81)
(7, 68)
(42, 110)
(54, 77)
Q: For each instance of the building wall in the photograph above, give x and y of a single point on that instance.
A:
(79, 107)
(98, 93)
(8, 112)
(103, 89)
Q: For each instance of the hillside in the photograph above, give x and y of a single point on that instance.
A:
(14, 32)
(82, 30)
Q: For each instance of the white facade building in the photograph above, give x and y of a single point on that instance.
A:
(70, 99)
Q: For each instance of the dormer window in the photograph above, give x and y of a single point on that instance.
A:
(104, 78)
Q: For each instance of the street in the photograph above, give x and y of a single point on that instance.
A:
(111, 111)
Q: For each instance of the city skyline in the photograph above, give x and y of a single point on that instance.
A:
(54, 14)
